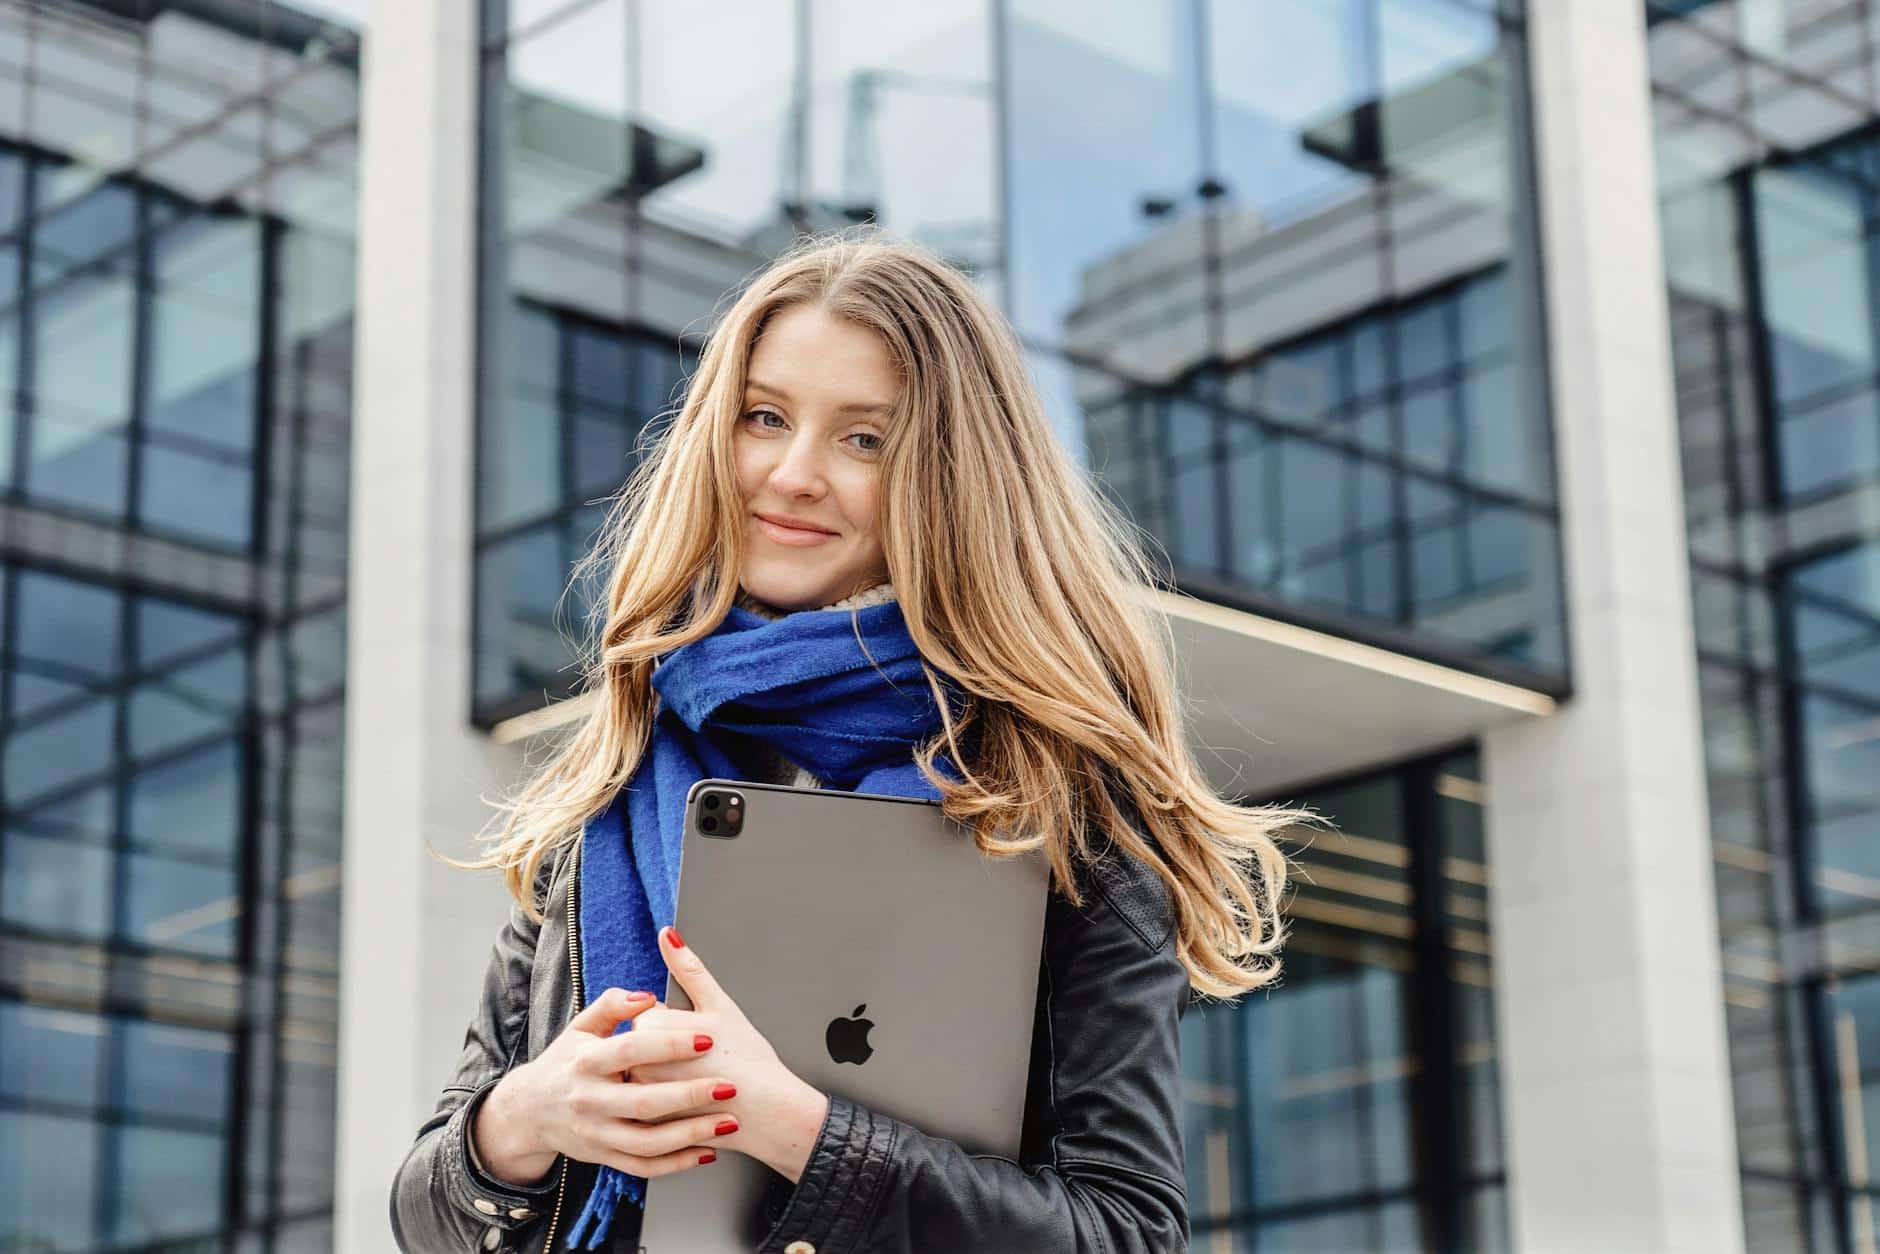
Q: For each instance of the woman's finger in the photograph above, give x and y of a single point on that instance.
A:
(652, 1140)
(602, 1016)
(662, 1100)
(664, 1165)
(629, 1049)
(660, 1015)
(689, 969)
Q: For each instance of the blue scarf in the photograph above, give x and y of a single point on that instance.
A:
(803, 685)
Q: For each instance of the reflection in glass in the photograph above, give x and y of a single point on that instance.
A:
(1766, 158)
(1833, 621)
(1817, 220)
(640, 161)
(176, 288)
(1373, 470)
(1321, 1119)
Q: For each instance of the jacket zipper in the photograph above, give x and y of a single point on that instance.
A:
(574, 972)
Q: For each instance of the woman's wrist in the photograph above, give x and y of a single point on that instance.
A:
(500, 1140)
(789, 1133)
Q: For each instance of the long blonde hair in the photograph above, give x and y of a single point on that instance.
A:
(1028, 601)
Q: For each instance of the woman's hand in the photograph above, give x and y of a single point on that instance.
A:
(570, 1100)
(778, 1113)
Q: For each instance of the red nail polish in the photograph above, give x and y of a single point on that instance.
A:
(701, 1042)
(678, 942)
(724, 1092)
(709, 1156)
(725, 1127)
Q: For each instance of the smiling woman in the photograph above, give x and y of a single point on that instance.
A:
(817, 404)
(860, 546)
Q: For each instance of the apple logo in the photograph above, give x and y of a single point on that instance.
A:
(848, 1038)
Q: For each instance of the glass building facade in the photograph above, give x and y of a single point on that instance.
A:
(1276, 266)
(176, 254)
(1358, 1109)
(1291, 319)
(1294, 328)
(1767, 127)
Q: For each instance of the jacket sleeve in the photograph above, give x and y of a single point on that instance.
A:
(1103, 1165)
(441, 1198)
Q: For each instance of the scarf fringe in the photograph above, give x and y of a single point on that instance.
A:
(602, 1203)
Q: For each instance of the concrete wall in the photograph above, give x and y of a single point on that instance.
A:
(1608, 995)
(415, 932)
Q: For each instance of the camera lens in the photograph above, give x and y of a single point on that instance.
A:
(709, 824)
(711, 801)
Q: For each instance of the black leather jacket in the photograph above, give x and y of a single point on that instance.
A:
(1101, 1165)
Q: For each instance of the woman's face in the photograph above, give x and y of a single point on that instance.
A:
(807, 447)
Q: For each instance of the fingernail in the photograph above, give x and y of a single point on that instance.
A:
(640, 995)
(709, 1156)
(701, 1042)
(724, 1092)
(725, 1127)
(672, 933)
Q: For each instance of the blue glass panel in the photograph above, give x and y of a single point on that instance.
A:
(192, 702)
(598, 368)
(1197, 517)
(169, 629)
(190, 804)
(603, 444)
(205, 498)
(89, 813)
(182, 905)
(69, 627)
(49, 1169)
(518, 645)
(58, 886)
(59, 749)
(177, 1073)
(206, 331)
(84, 328)
(50, 1056)
(170, 1183)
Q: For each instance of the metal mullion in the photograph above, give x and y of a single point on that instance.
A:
(9, 652)
(1450, 314)
(143, 313)
(288, 745)
(1343, 415)
(1437, 1148)
(1816, 1024)
(1399, 478)
(264, 238)
(494, 302)
(109, 1195)
(568, 404)
(1243, 1068)
(25, 403)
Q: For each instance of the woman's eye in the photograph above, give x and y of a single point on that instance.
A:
(869, 435)
(758, 415)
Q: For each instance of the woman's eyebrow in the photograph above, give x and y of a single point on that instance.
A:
(853, 407)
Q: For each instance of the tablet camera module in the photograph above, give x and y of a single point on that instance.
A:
(721, 813)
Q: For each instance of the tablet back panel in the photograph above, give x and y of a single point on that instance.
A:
(835, 906)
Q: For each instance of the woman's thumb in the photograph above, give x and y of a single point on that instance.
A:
(608, 1011)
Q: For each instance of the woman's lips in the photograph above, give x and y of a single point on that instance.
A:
(791, 535)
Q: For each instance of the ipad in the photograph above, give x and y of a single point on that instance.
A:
(886, 959)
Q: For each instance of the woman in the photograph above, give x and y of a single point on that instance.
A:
(861, 466)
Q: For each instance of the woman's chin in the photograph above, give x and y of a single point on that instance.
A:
(787, 596)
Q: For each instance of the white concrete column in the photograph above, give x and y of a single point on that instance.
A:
(415, 933)
(1615, 1075)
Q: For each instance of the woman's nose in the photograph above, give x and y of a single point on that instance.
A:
(798, 469)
